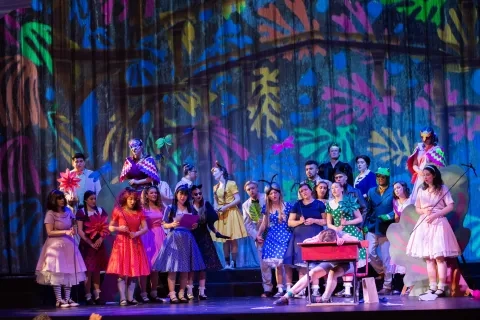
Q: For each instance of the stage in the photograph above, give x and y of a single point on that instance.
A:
(262, 308)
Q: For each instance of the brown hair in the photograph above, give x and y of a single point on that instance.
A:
(328, 235)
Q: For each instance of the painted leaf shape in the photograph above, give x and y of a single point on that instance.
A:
(423, 10)
(188, 36)
(190, 101)
(389, 146)
(35, 38)
(265, 102)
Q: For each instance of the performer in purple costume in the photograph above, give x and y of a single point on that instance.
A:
(140, 169)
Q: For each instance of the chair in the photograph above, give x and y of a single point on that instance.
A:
(364, 244)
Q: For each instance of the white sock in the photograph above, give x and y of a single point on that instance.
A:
(315, 287)
(96, 294)
(433, 286)
(289, 286)
(190, 289)
(201, 291)
(121, 289)
(441, 286)
(280, 288)
(131, 291)
(88, 296)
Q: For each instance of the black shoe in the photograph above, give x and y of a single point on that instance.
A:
(440, 293)
(202, 297)
(281, 302)
(132, 302)
(90, 302)
(99, 302)
(267, 294)
(157, 299)
(182, 300)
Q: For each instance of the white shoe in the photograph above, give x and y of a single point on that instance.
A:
(62, 304)
(427, 297)
(300, 295)
(279, 294)
(72, 303)
(315, 293)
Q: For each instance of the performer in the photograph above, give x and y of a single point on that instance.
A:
(60, 264)
(139, 169)
(341, 177)
(230, 224)
(189, 176)
(432, 238)
(327, 169)
(322, 190)
(166, 195)
(252, 218)
(307, 218)
(153, 239)
(332, 269)
(86, 183)
(401, 198)
(128, 258)
(91, 244)
(380, 216)
(180, 251)
(343, 215)
(208, 216)
(366, 178)
(426, 152)
(275, 220)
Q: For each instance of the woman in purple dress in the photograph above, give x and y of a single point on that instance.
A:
(60, 264)
(139, 169)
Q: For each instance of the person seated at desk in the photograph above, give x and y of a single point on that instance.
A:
(333, 270)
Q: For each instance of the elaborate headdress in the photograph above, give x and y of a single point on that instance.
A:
(427, 132)
(271, 185)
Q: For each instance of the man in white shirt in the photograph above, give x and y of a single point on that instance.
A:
(86, 183)
(252, 217)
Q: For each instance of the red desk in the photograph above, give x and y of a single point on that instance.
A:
(331, 252)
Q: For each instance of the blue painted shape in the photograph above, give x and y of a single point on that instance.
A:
(340, 61)
(205, 15)
(415, 60)
(140, 72)
(374, 9)
(220, 80)
(89, 118)
(282, 134)
(148, 43)
(304, 99)
(37, 5)
(107, 167)
(398, 28)
(228, 100)
(322, 5)
(295, 118)
(50, 94)
(475, 82)
(52, 165)
(228, 28)
(316, 112)
(412, 83)
(308, 79)
(146, 117)
(394, 68)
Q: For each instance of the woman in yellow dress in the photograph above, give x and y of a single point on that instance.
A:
(230, 220)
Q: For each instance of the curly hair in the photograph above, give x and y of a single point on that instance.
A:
(146, 202)
(127, 193)
(52, 198)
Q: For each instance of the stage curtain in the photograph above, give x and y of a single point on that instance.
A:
(260, 85)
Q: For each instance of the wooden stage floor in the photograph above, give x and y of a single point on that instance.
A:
(248, 308)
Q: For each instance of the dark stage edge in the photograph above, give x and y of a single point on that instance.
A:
(247, 308)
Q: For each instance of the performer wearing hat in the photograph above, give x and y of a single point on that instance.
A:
(139, 169)
(380, 216)
(426, 152)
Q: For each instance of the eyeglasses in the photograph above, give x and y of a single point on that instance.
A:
(197, 194)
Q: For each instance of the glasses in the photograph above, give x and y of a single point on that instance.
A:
(197, 194)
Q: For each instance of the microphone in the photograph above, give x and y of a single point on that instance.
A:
(471, 167)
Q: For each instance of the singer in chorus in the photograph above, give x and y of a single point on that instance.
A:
(432, 238)
(128, 259)
(92, 231)
(60, 264)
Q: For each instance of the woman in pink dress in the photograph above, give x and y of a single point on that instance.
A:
(92, 246)
(432, 238)
(153, 209)
(60, 264)
(128, 258)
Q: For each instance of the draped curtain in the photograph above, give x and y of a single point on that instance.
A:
(260, 85)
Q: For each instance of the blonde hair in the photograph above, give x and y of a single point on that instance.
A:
(269, 206)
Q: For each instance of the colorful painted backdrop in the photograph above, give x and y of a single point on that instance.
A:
(230, 80)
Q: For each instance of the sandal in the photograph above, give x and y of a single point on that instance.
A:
(440, 293)
(174, 300)
(267, 294)
(145, 299)
(190, 296)
(182, 300)
(132, 302)
(123, 303)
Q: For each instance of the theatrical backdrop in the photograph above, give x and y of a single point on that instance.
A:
(259, 85)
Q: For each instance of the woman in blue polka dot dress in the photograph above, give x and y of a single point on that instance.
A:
(275, 221)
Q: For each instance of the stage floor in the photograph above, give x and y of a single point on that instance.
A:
(262, 308)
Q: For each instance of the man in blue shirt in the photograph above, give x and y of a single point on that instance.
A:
(380, 216)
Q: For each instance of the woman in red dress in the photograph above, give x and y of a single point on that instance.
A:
(128, 258)
(91, 245)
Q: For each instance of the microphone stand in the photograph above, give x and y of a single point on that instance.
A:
(75, 228)
(453, 185)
